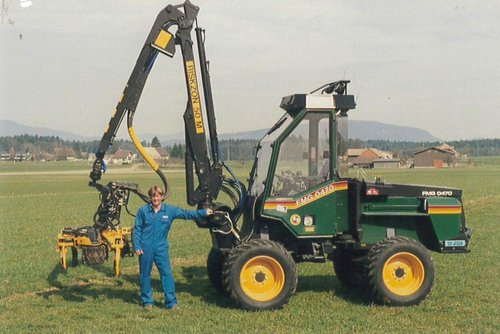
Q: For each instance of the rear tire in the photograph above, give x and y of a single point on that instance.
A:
(349, 269)
(260, 275)
(400, 272)
(215, 265)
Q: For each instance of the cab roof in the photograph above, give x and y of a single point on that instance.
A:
(317, 102)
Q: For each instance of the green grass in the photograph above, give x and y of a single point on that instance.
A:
(31, 166)
(36, 296)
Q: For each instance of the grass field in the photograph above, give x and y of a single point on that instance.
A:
(37, 200)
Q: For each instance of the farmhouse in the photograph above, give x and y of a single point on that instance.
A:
(386, 163)
(162, 152)
(64, 153)
(158, 154)
(365, 157)
(123, 157)
(14, 156)
(437, 157)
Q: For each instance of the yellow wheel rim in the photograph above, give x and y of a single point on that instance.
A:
(262, 278)
(403, 274)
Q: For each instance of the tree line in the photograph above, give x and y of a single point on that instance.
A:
(36, 147)
(39, 147)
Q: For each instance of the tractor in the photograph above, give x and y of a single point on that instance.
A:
(300, 204)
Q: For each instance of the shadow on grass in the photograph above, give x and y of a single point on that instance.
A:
(195, 283)
(330, 284)
(81, 291)
(198, 284)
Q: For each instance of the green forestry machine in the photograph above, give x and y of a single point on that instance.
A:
(300, 205)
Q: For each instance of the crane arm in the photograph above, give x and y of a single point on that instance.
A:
(159, 40)
(208, 169)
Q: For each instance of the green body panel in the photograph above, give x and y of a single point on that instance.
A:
(397, 213)
(446, 217)
(393, 205)
(326, 204)
(342, 209)
(431, 221)
(375, 230)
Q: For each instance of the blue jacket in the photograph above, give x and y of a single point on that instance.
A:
(151, 229)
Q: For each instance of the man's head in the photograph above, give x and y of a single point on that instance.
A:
(156, 195)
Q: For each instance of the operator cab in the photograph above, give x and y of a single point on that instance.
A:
(307, 146)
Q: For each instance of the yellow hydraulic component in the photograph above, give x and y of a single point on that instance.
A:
(163, 39)
(262, 278)
(403, 274)
(142, 151)
(113, 240)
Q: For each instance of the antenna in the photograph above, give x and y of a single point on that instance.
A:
(359, 92)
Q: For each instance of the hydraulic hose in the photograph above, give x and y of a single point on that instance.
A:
(238, 188)
(151, 162)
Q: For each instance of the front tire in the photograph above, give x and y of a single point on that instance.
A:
(400, 272)
(215, 265)
(260, 275)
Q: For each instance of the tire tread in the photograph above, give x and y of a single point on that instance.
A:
(232, 259)
(372, 263)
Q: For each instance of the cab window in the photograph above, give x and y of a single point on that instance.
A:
(303, 157)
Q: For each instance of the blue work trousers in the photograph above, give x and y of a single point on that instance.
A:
(162, 261)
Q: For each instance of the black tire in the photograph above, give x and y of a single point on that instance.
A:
(260, 275)
(92, 255)
(74, 256)
(349, 269)
(400, 272)
(215, 266)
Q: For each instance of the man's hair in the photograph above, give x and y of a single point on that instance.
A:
(155, 190)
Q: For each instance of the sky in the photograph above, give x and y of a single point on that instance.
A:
(428, 64)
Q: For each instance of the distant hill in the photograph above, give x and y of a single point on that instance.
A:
(11, 128)
(364, 130)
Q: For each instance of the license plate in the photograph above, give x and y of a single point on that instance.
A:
(454, 243)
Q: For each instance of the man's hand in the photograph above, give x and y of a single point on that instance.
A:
(139, 252)
(209, 211)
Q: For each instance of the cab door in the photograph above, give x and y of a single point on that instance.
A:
(300, 190)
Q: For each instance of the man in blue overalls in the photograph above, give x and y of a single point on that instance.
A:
(152, 224)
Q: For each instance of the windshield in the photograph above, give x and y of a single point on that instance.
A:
(342, 142)
(303, 160)
(263, 155)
